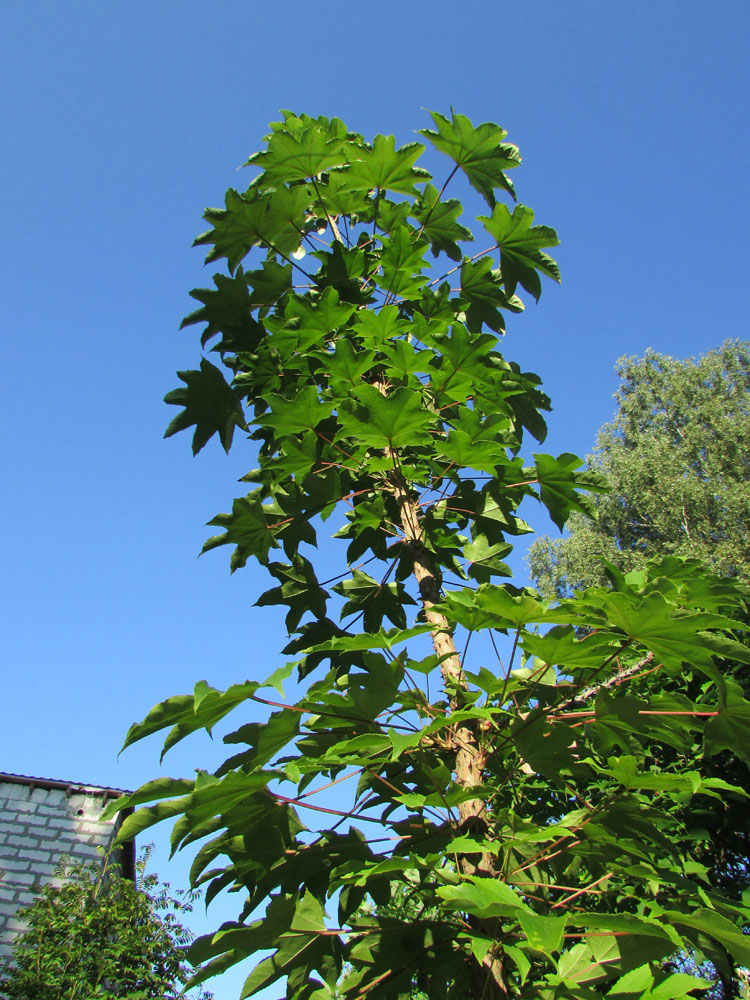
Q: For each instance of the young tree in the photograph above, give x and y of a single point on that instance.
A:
(676, 457)
(520, 809)
(93, 933)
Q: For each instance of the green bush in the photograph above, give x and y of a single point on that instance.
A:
(94, 933)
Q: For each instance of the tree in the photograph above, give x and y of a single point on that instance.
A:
(676, 457)
(521, 807)
(93, 933)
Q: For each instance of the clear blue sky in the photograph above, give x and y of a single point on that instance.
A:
(121, 121)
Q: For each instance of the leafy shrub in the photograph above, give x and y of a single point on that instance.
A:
(94, 933)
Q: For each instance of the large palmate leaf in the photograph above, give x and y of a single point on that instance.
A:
(480, 152)
(210, 405)
(522, 257)
(562, 488)
(439, 223)
(246, 528)
(322, 315)
(402, 263)
(726, 730)
(392, 421)
(382, 167)
(226, 310)
(275, 220)
(482, 290)
(303, 153)
(299, 589)
(291, 416)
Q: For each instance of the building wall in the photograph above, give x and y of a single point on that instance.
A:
(39, 825)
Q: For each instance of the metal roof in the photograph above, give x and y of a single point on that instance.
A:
(67, 786)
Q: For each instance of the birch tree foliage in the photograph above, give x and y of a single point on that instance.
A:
(676, 456)
(452, 739)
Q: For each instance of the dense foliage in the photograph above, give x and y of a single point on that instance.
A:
(514, 773)
(93, 933)
(676, 457)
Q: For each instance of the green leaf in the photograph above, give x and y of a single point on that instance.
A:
(638, 980)
(312, 150)
(319, 316)
(543, 933)
(227, 310)
(464, 364)
(475, 443)
(678, 985)
(522, 258)
(382, 639)
(483, 898)
(375, 600)
(401, 263)
(299, 590)
(715, 926)
(729, 729)
(346, 366)
(486, 560)
(266, 738)
(494, 606)
(156, 789)
(561, 485)
(482, 291)
(382, 167)
(165, 714)
(393, 421)
(402, 360)
(625, 770)
(578, 965)
(299, 950)
(269, 284)
(247, 529)
(292, 416)
(439, 223)
(274, 219)
(480, 152)
(520, 959)
(210, 405)
(543, 747)
(378, 329)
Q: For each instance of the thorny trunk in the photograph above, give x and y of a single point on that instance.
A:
(470, 760)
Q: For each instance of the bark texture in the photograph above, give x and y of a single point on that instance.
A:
(490, 980)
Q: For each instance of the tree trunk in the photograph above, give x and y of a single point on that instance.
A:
(490, 981)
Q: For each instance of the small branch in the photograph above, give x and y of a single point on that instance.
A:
(482, 253)
(283, 799)
(581, 892)
(466, 648)
(330, 784)
(614, 681)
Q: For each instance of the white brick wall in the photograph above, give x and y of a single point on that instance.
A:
(38, 826)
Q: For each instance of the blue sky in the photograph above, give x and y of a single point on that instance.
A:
(121, 122)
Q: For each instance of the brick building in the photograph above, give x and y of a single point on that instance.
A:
(42, 821)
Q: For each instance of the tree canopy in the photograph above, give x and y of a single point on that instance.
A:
(676, 457)
(514, 769)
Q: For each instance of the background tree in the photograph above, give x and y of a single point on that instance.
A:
(93, 933)
(495, 761)
(676, 457)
